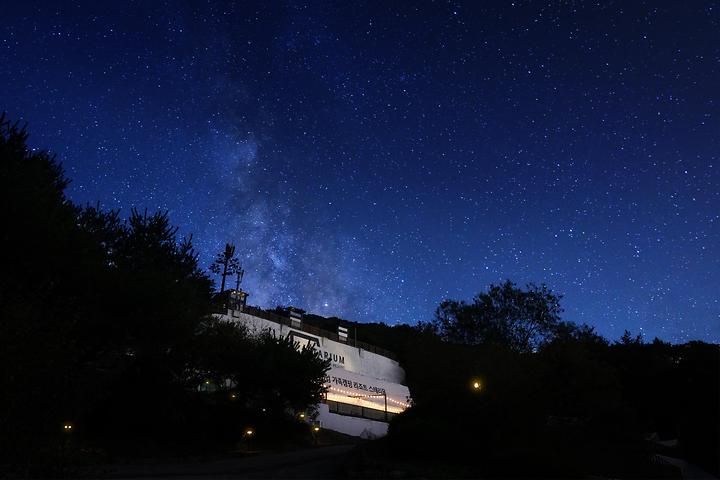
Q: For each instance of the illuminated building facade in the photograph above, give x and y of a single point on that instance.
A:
(364, 384)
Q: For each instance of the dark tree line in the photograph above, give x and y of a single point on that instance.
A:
(105, 326)
(554, 398)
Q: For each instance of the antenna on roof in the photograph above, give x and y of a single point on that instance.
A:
(240, 273)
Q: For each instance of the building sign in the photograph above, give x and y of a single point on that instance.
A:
(304, 340)
(344, 382)
(335, 359)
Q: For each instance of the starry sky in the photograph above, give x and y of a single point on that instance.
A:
(370, 159)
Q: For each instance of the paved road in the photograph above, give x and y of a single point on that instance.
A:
(322, 462)
(689, 470)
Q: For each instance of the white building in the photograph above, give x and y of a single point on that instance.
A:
(364, 384)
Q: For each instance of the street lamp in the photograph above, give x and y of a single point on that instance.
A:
(476, 385)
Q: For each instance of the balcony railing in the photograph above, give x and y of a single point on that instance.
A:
(351, 410)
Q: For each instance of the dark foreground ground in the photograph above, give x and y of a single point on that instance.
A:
(337, 456)
(320, 462)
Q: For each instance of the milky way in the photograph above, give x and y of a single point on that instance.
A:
(372, 159)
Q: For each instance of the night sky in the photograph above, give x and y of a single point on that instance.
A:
(372, 159)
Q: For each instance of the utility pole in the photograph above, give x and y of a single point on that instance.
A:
(385, 397)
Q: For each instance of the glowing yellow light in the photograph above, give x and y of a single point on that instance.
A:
(249, 432)
(207, 382)
(67, 426)
(317, 429)
(302, 415)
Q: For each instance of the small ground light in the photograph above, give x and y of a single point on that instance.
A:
(316, 428)
(476, 385)
(67, 427)
(249, 432)
(302, 415)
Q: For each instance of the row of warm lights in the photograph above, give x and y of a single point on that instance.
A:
(476, 385)
(351, 393)
(376, 395)
(402, 404)
(372, 395)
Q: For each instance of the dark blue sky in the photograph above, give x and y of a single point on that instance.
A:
(372, 159)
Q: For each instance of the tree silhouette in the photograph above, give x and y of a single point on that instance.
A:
(226, 263)
(226, 353)
(520, 319)
(103, 323)
(46, 286)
